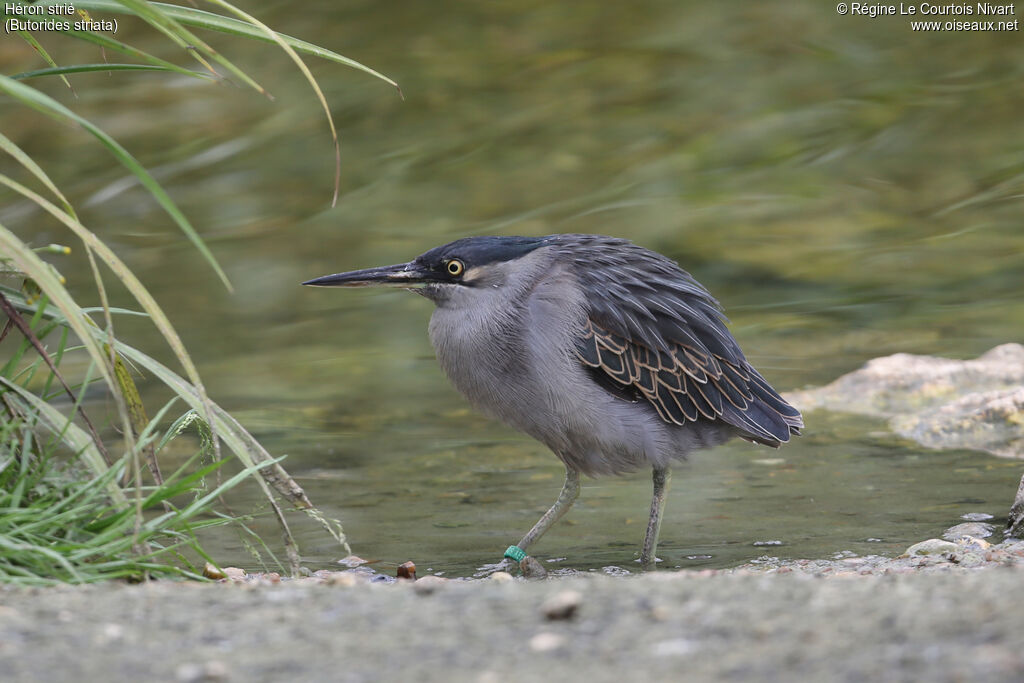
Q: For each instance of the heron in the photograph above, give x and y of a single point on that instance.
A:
(608, 353)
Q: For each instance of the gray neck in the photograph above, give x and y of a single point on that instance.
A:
(488, 337)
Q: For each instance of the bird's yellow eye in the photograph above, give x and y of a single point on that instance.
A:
(455, 267)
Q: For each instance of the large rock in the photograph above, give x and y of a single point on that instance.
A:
(990, 421)
(940, 403)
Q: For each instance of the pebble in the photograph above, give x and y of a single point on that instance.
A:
(659, 613)
(975, 542)
(976, 517)
(193, 672)
(344, 579)
(429, 584)
(211, 571)
(501, 577)
(976, 529)
(407, 570)
(933, 546)
(352, 561)
(676, 647)
(970, 559)
(562, 605)
(546, 641)
(109, 633)
(234, 573)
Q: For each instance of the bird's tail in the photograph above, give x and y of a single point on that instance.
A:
(768, 419)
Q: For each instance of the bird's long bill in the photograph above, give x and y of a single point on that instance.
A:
(406, 275)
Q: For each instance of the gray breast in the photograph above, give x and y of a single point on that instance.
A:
(511, 350)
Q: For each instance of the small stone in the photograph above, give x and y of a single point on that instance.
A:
(501, 577)
(343, 579)
(976, 529)
(970, 560)
(933, 546)
(979, 543)
(109, 633)
(234, 573)
(212, 571)
(407, 570)
(429, 584)
(659, 613)
(562, 605)
(532, 569)
(193, 672)
(976, 517)
(352, 561)
(546, 642)
(676, 647)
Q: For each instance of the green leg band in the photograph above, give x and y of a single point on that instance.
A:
(516, 553)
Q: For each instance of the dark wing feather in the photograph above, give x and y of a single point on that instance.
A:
(659, 336)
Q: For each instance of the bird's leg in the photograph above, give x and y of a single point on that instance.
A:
(570, 492)
(662, 477)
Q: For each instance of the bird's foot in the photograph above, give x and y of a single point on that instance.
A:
(530, 567)
(505, 565)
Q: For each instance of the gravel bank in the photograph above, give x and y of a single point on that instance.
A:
(765, 622)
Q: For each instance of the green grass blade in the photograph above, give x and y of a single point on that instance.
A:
(155, 17)
(74, 436)
(248, 450)
(216, 22)
(29, 163)
(49, 106)
(108, 43)
(309, 79)
(130, 281)
(31, 40)
(87, 68)
(38, 270)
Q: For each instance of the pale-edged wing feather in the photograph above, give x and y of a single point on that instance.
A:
(659, 336)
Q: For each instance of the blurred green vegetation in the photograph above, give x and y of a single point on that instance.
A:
(73, 511)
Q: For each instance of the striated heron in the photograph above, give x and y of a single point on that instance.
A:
(608, 353)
